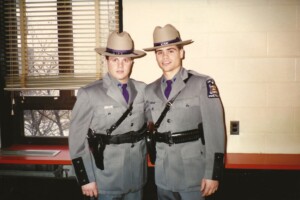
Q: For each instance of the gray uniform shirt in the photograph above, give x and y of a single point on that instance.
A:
(181, 167)
(98, 106)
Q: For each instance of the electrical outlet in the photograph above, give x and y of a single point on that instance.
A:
(234, 127)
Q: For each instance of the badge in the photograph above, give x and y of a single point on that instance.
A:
(212, 90)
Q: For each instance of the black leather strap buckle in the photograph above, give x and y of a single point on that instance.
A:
(165, 137)
(169, 103)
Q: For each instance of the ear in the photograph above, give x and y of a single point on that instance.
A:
(181, 52)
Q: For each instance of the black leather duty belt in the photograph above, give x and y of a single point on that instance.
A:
(129, 137)
(179, 137)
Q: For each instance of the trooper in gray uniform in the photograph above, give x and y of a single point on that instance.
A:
(188, 123)
(106, 140)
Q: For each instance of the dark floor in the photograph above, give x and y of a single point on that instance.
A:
(236, 185)
(260, 185)
(250, 185)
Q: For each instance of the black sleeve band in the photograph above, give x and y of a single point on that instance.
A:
(218, 166)
(80, 171)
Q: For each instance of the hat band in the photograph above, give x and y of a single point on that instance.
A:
(118, 52)
(167, 42)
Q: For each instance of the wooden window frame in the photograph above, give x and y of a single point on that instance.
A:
(12, 126)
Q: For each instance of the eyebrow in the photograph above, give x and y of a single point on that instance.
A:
(171, 48)
(125, 58)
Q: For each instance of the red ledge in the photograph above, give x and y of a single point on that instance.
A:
(232, 160)
(262, 161)
(62, 158)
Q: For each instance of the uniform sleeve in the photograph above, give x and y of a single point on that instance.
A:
(213, 128)
(78, 145)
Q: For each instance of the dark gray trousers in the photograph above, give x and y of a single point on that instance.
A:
(138, 195)
(169, 195)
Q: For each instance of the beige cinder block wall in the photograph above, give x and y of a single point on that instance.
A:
(250, 47)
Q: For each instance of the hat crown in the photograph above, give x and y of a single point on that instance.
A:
(166, 36)
(119, 41)
(120, 44)
(166, 33)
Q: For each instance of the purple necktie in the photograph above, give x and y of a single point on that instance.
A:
(125, 92)
(168, 88)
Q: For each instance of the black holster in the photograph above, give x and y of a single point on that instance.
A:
(151, 143)
(97, 146)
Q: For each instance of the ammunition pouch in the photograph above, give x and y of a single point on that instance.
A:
(98, 141)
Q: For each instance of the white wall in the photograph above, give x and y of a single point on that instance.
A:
(252, 50)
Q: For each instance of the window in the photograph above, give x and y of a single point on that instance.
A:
(49, 54)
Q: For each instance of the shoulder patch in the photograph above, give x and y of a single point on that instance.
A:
(212, 90)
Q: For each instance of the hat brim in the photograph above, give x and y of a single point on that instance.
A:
(186, 42)
(135, 54)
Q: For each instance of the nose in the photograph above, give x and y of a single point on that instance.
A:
(120, 63)
(165, 54)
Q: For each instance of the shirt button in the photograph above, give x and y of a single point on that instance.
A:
(168, 120)
(130, 113)
(131, 124)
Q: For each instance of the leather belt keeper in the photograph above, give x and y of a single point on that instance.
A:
(179, 137)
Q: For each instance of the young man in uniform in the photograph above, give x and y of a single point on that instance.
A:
(106, 141)
(189, 133)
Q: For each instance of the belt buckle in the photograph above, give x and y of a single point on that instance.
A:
(169, 138)
(169, 103)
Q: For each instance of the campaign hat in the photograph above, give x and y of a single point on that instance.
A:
(121, 45)
(166, 36)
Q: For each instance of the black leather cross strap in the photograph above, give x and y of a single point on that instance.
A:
(97, 145)
(120, 120)
(168, 106)
(151, 136)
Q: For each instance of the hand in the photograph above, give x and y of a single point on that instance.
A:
(90, 189)
(208, 187)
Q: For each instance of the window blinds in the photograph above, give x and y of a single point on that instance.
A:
(50, 43)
